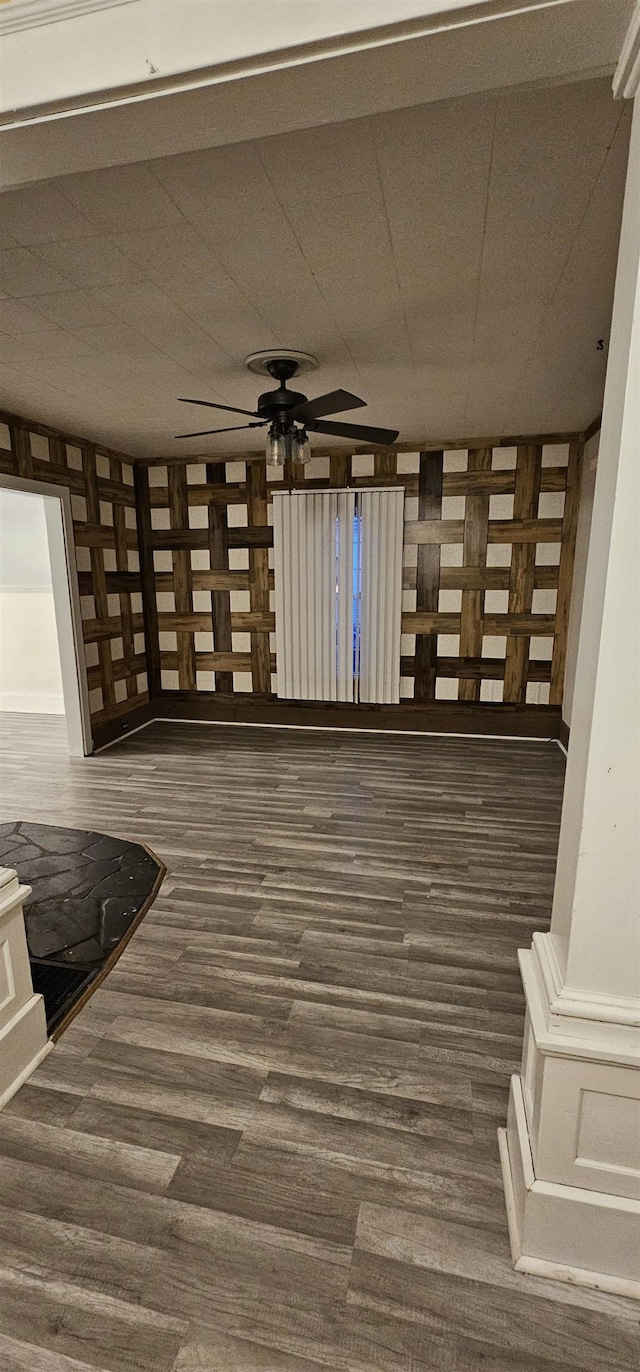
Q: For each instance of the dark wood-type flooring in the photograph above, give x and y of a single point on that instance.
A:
(268, 1142)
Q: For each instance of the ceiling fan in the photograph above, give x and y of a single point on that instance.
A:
(290, 417)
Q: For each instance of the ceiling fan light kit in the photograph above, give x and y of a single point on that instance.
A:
(294, 443)
(289, 415)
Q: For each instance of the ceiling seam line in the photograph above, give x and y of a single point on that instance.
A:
(481, 262)
(391, 242)
(308, 265)
(191, 226)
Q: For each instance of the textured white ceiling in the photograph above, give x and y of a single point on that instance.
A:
(452, 263)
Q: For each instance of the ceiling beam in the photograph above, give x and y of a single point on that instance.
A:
(455, 49)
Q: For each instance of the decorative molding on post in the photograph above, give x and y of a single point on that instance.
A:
(23, 1027)
(570, 1154)
(610, 1022)
(566, 1233)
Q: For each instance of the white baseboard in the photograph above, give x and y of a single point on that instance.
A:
(23, 1045)
(28, 704)
(563, 1232)
(24, 1075)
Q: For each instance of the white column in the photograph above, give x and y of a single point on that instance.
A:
(571, 1152)
(23, 1027)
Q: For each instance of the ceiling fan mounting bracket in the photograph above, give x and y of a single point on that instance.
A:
(280, 363)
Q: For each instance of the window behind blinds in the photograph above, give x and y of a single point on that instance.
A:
(338, 586)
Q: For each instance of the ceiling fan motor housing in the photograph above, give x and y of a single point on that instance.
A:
(275, 405)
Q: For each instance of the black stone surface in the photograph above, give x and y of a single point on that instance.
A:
(88, 888)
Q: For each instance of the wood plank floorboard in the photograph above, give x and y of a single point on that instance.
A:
(268, 1142)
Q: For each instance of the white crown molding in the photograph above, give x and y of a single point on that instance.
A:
(31, 14)
(626, 80)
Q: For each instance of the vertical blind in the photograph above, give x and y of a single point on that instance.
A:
(338, 593)
(382, 518)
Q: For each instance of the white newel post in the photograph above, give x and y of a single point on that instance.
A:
(23, 1027)
(571, 1151)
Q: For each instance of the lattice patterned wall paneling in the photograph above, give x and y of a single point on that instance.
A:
(488, 562)
(103, 505)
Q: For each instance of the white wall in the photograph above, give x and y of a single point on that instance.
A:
(583, 532)
(30, 678)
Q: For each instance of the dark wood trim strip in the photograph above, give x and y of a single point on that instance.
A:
(438, 716)
(181, 538)
(218, 539)
(21, 449)
(147, 579)
(124, 595)
(523, 561)
(418, 445)
(339, 471)
(96, 553)
(33, 426)
(182, 586)
(593, 428)
(58, 454)
(430, 482)
(565, 575)
(564, 733)
(385, 464)
(478, 669)
(130, 717)
(259, 578)
(476, 527)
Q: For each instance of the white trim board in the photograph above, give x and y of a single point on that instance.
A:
(540, 1267)
(568, 1233)
(31, 704)
(26, 1072)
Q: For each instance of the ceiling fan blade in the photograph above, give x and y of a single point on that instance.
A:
(331, 403)
(215, 406)
(235, 428)
(380, 437)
